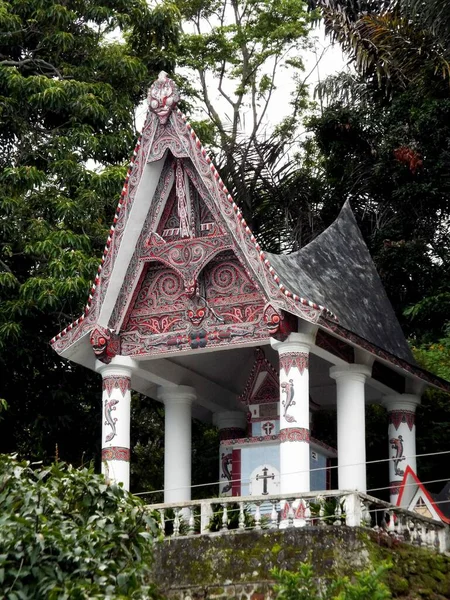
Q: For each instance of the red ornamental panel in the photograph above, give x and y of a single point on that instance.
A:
(116, 453)
(397, 417)
(120, 382)
(288, 360)
(294, 434)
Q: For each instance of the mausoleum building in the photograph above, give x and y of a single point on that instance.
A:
(188, 309)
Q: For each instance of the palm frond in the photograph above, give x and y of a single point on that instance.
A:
(433, 15)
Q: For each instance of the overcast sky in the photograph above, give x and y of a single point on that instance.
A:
(329, 60)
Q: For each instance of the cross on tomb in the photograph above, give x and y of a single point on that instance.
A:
(268, 428)
(265, 477)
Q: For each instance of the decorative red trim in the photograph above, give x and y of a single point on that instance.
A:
(335, 345)
(410, 472)
(295, 434)
(252, 439)
(236, 472)
(260, 365)
(116, 453)
(120, 205)
(264, 260)
(288, 360)
(397, 417)
(383, 354)
(111, 382)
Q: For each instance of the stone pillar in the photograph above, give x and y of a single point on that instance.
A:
(351, 425)
(294, 412)
(231, 425)
(116, 401)
(401, 409)
(177, 445)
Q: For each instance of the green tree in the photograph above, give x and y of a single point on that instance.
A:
(239, 48)
(71, 75)
(391, 43)
(305, 585)
(65, 533)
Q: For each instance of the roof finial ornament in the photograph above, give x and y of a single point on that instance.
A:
(163, 97)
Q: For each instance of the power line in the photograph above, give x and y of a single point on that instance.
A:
(246, 481)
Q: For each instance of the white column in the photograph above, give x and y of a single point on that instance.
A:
(401, 409)
(116, 401)
(351, 425)
(177, 445)
(294, 412)
(231, 424)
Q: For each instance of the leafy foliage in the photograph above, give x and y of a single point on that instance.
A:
(392, 44)
(304, 585)
(65, 533)
(244, 44)
(71, 76)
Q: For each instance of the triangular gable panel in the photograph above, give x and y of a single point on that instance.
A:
(415, 497)
(176, 217)
(422, 506)
(263, 384)
(269, 391)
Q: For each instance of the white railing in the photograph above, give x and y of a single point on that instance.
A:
(313, 509)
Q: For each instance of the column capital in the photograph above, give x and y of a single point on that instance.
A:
(230, 418)
(352, 372)
(177, 394)
(295, 342)
(400, 402)
(119, 365)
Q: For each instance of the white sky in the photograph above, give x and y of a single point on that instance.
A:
(331, 61)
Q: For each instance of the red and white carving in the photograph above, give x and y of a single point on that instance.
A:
(397, 417)
(116, 453)
(163, 97)
(111, 382)
(299, 360)
(294, 434)
(105, 343)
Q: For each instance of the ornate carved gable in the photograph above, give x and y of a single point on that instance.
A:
(193, 289)
(181, 269)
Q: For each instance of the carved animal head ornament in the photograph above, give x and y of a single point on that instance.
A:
(163, 97)
(279, 323)
(105, 343)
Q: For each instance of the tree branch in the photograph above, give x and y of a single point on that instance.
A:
(37, 62)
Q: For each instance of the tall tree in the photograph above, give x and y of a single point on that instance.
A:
(69, 84)
(239, 48)
(393, 43)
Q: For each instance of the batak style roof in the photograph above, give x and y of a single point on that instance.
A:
(175, 213)
(336, 270)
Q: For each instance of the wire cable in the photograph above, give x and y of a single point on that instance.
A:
(246, 481)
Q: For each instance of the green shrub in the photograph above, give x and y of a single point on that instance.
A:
(66, 534)
(305, 585)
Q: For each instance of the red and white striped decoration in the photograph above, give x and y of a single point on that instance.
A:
(236, 209)
(107, 246)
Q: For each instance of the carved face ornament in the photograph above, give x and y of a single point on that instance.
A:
(163, 97)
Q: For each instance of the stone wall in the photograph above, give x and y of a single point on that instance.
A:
(236, 566)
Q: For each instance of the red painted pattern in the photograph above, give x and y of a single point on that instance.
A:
(299, 360)
(294, 434)
(116, 453)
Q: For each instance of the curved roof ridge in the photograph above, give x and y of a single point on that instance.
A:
(337, 270)
(124, 199)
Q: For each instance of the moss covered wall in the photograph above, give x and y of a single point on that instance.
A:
(237, 565)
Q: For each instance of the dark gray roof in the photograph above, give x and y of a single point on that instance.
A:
(337, 271)
(443, 500)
